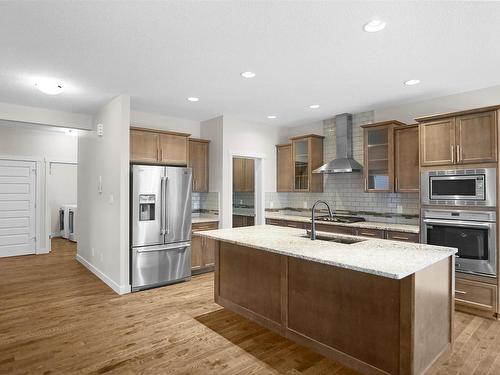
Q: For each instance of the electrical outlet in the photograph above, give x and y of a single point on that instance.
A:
(92, 251)
(241, 201)
(102, 257)
(271, 204)
(304, 204)
(399, 209)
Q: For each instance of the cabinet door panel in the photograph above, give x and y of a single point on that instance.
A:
(476, 138)
(209, 246)
(173, 149)
(437, 142)
(301, 164)
(249, 175)
(379, 166)
(284, 168)
(238, 174)
(406, 159)
(198, 161)
(143, 146)
(196, 253)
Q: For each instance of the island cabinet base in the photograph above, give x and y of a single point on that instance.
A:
(372, 324)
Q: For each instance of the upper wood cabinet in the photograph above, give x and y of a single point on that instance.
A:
(173, 149)
(198, 161)
(307, 155)
(378, 142)
(158, 147)
(461, 138)
(476, 137)
(144, 146)
(243, 175)
(406, 161)
(284, 173)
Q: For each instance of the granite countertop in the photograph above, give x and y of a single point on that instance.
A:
(363, 224)
(391, 259)
(204, 218)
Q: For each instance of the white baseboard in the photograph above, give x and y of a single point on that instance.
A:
(120, 289)
(42, 251)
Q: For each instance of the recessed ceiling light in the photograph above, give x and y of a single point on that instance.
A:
(248, 74)
(374, 25)
(49, 86)
(271, 117)
(412, 82)
(193, 99)
(314, 106)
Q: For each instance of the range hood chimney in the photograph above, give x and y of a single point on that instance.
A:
(343, 162)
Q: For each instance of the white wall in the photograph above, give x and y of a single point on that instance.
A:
(458, 102)
(161, 122)
(103, 218)
(43, 143)
(230, 136)
(311, 128)
(35, 115)
(61, 189)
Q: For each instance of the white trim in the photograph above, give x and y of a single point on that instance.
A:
(259, 196)
(119, 289)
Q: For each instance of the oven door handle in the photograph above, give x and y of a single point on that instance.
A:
(462, 224)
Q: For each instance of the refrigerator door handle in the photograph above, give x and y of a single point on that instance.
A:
(162, 206)
(167, 223)
(177, 246)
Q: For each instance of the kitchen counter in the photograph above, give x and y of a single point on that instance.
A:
(363, 224)
(204, 218)
(391, 259)
(376, 306)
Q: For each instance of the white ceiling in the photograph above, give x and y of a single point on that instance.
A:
(303, 53)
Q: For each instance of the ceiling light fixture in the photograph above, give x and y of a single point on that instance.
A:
(374, 25)
(248, 74)
(193, 99)
(412, 82)
(314, 106)
(49, 86)
(271, 117)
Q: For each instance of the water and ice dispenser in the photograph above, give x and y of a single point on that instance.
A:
(147, 207)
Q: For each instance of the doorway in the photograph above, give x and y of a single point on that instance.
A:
(243, 208)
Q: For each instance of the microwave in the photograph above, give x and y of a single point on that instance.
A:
(459, 187)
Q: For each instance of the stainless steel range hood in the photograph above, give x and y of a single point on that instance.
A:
(343, 163)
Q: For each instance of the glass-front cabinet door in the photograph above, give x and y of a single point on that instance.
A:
(301, 164)
(379, 161)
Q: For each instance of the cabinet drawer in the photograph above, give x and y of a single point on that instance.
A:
(476, 295)
(334, 229)
(275, 222)
(199, 227)
(375, 233)
(294, 224)
(402, 236)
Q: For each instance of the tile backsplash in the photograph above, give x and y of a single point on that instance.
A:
(346, 191)
(205, 202)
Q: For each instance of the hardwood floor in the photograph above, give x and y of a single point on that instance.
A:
(58, 318)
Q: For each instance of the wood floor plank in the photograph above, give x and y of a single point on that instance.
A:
(58, 318)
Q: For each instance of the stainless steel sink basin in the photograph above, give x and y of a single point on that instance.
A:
(345, 239)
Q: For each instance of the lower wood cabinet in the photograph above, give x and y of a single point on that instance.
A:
(343, 229)
(243, 221)
(476, 297)
(202, 249)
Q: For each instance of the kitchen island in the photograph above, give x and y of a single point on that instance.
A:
(377, 306)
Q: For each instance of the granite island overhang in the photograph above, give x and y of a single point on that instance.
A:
(377, 306)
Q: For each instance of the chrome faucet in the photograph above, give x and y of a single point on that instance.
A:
(313, 223)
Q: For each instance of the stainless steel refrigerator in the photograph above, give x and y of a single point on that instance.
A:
(160, 225)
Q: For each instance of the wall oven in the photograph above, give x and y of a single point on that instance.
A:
(459, 187)
(473, 233)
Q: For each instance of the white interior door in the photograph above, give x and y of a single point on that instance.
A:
(17, 207)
